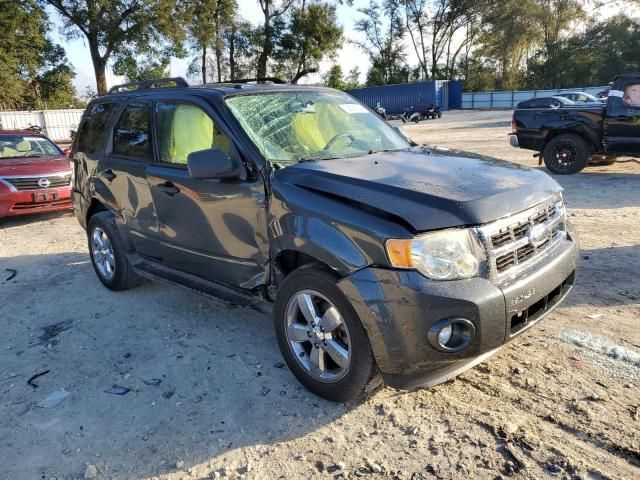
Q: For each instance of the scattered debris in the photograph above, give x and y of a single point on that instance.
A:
(152, 381)
(12, 274)
(169, 393)
(264, 390)
(117, 390)
(320, 466)
(54, 398)
(606, 355)
(90, 472)
(595, 316)
(53, 330)
(278, 365)
(34, 376)
(180, 464)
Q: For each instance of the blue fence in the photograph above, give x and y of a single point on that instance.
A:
(396, 99)
(510, 98)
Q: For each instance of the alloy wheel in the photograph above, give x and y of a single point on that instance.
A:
(102, 253)
(318, 336)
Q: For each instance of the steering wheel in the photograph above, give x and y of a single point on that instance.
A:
(335, 138)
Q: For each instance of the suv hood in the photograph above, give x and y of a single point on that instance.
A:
(428, 188)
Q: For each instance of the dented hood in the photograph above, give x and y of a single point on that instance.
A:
(429, 188)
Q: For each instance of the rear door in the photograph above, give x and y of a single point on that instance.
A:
(622, 121)
(124, 173)
(215, 229)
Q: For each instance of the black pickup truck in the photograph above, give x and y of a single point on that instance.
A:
(568, 137)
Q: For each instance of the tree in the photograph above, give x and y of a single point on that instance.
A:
(34, 72)
(383, 28)
(312, 33)
(417, 24)
(117, 27)
(333, 78)
(206, 23)
(272, 11)
(353, 78)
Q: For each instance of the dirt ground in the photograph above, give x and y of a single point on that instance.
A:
(209, 396)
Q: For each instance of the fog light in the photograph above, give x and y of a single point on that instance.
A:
(452, 334)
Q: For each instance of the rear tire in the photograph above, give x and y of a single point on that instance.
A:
(325, 345)
(108, 254)
(566, 154)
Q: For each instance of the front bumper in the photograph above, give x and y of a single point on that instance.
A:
(21, 202)
(397, 309)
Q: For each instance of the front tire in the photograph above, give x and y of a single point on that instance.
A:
(566, 154)
(321, 337)
(108, 254)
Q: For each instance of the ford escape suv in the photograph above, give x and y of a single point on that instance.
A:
(384, 261)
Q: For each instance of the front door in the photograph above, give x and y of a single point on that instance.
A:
(622, 122)
(215, 229)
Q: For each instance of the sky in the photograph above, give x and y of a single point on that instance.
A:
(77, 50)
(348, 57)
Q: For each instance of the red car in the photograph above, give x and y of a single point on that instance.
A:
(35, 175)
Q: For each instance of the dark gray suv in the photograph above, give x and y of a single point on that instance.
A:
(386, 261)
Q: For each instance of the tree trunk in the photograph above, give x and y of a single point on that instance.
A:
(99, 67)
(266, 47)
(204, 64)
(232, 51)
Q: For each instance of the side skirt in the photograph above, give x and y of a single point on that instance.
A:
(221, 293)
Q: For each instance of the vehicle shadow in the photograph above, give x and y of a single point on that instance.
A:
(203, 378)
(608, 276)
(20, 220)
(497, 124)
(596, 189)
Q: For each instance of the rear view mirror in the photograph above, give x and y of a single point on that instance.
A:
(215, 163)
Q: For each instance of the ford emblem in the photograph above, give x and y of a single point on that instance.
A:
(538, 235)
(44, 182)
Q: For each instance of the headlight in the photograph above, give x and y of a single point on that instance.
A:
(442, 255)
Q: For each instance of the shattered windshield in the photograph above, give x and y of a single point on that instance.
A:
(295, 126)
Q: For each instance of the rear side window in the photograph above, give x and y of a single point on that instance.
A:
(93, 131)
(183, 129)
(131, 136)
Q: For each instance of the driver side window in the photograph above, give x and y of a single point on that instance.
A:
(183, 129)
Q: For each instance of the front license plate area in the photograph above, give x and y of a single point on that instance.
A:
(50, 196)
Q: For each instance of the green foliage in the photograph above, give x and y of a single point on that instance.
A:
(34, 72)
(116, 29)
(384, 30)
(333, 78)
(312, 33)
(136, 71)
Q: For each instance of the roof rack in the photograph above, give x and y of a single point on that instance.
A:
(259, 80)
(149, 84)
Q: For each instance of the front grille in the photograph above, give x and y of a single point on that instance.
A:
(31, 183)
(511, 244)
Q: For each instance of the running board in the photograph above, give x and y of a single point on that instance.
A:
(159, 273)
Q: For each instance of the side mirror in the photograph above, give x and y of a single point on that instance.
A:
(215, 163)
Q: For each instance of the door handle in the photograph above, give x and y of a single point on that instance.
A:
(109, 175)
(169, 188)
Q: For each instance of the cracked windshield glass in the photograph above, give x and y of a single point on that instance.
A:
(291, 127)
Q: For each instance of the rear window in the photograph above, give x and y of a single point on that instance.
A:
(131, 136)
(93, 131)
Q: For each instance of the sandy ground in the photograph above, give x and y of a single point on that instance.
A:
(563, 401)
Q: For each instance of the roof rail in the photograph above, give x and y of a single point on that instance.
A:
(148, 84)
(258, 80)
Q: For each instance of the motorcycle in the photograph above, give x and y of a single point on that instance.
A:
(410, 115)
(381, 111)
